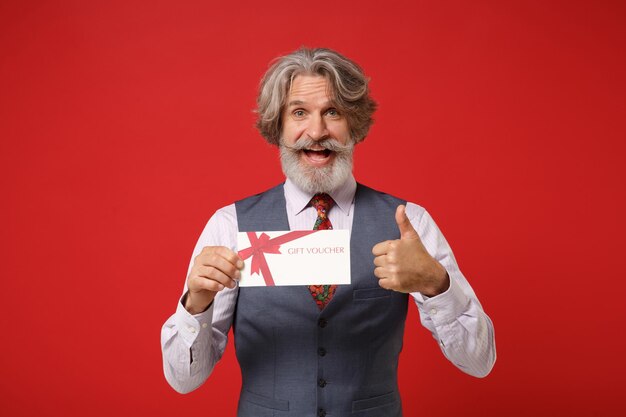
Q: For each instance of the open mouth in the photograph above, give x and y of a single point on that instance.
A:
(317, 157)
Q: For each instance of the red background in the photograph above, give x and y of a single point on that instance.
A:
(124, 125)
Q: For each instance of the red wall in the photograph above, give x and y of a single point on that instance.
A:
(124, 125)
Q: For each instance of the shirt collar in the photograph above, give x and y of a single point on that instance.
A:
(297, 199)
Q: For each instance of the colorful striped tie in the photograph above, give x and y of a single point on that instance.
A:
(322, 294)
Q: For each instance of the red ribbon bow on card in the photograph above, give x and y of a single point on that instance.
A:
(261, 245)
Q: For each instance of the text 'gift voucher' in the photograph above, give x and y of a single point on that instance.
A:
(304, 257)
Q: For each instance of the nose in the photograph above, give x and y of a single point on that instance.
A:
(317, 129)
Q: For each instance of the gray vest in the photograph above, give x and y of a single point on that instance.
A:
(342, 361)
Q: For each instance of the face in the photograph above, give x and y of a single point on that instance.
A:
(316, 147)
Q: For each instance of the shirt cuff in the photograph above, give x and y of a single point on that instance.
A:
(190, 325)
(447, 306)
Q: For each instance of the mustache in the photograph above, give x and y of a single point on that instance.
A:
(329, 144)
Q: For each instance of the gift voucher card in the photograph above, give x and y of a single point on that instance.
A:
(304, 257)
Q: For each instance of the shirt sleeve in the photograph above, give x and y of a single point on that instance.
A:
(192, 344)
(455, 318)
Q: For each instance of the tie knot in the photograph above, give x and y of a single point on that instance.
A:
(322, 203)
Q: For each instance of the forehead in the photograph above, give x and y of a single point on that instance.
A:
(309, 88)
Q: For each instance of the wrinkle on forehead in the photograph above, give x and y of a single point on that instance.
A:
(304, 86)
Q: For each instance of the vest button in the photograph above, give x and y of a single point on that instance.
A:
(321, 413)
(322, 323)
(321, 383)
(321, 352)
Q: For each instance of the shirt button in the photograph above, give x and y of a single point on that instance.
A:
(321, 383)
(204, 325)
(322, 323)
(321, 413)
(433, 311)
(321, 352)
(191, 329)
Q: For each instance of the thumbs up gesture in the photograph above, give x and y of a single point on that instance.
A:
(404, 265)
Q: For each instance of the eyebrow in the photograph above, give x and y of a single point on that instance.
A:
(300, 103)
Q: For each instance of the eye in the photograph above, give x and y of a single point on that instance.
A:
(298, 113)
(332, 112)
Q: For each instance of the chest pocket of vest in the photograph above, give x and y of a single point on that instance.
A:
(364, 294)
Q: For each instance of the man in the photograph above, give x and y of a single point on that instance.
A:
(322, 350)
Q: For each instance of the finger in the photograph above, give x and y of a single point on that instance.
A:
(381, 248)
(385, 283)
(404, 225)
(224, 265)
(214, 274)
(230, 256)
(197, 283)
(217, 260)
(380, 272)
(380, 260)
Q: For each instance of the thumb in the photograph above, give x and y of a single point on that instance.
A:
(404, 225)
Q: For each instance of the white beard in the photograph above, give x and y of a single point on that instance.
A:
(317, 180)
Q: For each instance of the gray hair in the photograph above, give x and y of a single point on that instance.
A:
(348, 85)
